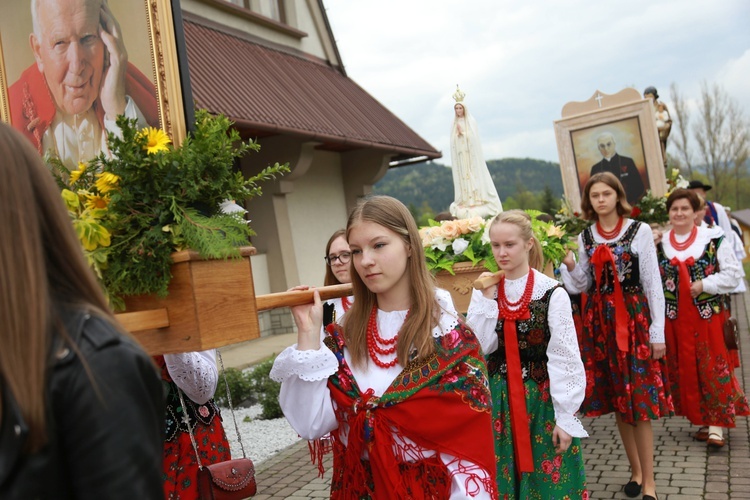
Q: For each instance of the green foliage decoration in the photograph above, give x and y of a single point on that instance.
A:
(155, 199)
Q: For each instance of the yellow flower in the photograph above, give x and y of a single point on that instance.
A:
(156, 140)
(555, 231)
(70, 199)
(107, 182)
(76, 174)
(96, 201)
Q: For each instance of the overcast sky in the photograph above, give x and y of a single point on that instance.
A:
(519, 62)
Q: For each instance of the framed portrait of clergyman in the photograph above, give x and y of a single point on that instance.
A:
(69, 68)
(610, 133)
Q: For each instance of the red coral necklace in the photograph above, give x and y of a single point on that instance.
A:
(608, 235)
(515, 310)
(377, 345)
(685, 244)
(345, 303)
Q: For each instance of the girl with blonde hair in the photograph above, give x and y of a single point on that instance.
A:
(525, 325)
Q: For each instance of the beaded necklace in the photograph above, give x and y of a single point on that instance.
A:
(608, 235)
(685, 244)
(377, 345)
(515, 310)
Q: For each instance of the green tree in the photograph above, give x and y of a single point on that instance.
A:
(549, 203)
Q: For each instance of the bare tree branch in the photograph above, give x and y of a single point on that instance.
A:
(681, 120)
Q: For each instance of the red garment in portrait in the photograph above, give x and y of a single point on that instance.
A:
(32, 107)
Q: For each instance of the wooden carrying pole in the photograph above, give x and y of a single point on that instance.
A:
(299, 297)
(487, 281)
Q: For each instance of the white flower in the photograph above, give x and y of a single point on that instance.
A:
(440, 244)
(459, 246)
(683, 183)
(486, 234)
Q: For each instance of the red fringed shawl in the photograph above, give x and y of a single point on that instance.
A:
(442, 403)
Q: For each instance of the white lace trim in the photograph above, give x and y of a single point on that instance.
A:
(310, 365)
(195, 373)
(566, 372)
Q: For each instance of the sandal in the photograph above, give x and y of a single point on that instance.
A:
(701, 434)
(715, 440)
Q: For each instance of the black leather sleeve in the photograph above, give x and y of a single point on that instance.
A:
(109, 413)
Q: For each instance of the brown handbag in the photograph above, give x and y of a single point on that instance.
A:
(731, 334)
(229, 480)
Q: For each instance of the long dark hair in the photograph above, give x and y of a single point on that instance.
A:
(41, 267)
(331, 278)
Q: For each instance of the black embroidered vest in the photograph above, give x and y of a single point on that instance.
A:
(626, 261)
(533, 337)
(705, 265)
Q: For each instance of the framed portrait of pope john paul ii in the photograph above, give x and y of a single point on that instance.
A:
(69, 68)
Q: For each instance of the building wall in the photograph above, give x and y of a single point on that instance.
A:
(302, 15)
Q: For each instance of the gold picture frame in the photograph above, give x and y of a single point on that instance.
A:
(629, 121)
(155, 47)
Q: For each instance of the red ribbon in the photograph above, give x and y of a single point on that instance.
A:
(603, 255)
(688, 318)
(518, 416)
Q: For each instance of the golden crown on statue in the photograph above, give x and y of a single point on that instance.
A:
(459, 95)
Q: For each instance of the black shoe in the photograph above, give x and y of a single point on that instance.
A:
(649, 497)
(632, 489)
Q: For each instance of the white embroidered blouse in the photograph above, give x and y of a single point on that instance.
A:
(567, 376)
(729, 274)
(195, 373)
(580, 279)
(306, 400)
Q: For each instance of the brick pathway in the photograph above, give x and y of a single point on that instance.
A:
(685, 469)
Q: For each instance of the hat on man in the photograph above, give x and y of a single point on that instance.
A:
(696, 184)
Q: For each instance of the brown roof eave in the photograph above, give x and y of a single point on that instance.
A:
(342, 141)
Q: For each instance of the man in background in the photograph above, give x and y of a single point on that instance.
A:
(68, 101)
(621, 166)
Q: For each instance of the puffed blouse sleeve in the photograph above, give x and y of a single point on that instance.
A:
(304, 397)
(648, 265)
(566, 372)
(579, 279)
(482, 318)
(195, 373)
(729, 274)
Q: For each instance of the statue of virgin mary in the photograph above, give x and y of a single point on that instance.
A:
(474, 191)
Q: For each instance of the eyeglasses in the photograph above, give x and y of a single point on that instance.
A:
(342, 258)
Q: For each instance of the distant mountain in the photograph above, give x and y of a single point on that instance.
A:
(432, 182)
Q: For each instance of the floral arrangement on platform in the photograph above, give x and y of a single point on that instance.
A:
(571, 220)
(134, 208)
(449, 242)
(653, 209)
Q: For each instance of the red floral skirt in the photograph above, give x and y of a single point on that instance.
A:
(715, 396)
(630, 383)
(181, 465)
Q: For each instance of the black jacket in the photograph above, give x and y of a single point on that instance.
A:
(106, 439)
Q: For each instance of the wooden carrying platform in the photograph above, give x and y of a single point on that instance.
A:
(211, 303)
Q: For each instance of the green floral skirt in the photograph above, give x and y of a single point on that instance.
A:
(555, 476)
